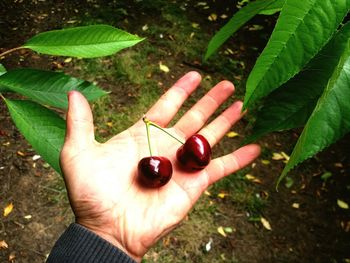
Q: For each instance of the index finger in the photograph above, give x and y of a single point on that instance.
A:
(170, 102)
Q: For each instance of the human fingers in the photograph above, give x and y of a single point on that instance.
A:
(80, 127)
(230, 163)
(197, 116)
(168, 105)
(215, 130)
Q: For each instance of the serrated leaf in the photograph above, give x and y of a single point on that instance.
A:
(48, 87)
(330, 119)
(291, 105)
(236, 22)
(42, 128)
(8, 209)
(302, 29)
(85, 42)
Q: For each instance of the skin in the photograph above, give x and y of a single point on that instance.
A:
(101, 178)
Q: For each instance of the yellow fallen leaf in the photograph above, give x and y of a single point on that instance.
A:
(232, 134)
(212, 17)
(342, 204)
(21, 153)
(296, 205)
(222, 195)
(253, 179)
(67, 60)
(206, 192)
(277, 156)
(265, 162)
(3, 244)
(109, 124)
(163, 67)
(265, 223)
(195, 25)
(222, 231)
(8, 209)
(286, 156)
(224, 16)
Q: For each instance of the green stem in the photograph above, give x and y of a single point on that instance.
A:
(148, 137)
(148, 122)
(10, 51)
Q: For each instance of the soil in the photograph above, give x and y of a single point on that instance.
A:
(317, 231)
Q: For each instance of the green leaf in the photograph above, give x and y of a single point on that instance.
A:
(43, 128)
(302, 29)
(330, 119)
(2, 71)
(48, 87)
(236, 22)
(86, 42)
(291, 105)
(272, 8)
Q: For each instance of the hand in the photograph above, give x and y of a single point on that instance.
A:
(101, 178)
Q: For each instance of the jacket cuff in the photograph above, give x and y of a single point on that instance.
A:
(78, 244)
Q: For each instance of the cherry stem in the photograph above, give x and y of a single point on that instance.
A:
(148, 136)
(148, 123)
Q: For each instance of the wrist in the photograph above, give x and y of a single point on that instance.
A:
(111, 239)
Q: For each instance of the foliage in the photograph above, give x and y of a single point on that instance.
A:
(39, 124)
(304, 69)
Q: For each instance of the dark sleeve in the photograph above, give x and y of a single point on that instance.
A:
(78, 244)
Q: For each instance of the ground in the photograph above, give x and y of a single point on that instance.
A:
(307, 224)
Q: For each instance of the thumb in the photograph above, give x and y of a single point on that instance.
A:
(80, 127)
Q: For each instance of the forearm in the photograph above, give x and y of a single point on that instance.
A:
(78, 244)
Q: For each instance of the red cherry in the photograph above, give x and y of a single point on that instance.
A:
(154, 171)
(195, 154)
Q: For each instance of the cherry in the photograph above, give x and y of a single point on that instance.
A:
(195, 153)
(154, 171)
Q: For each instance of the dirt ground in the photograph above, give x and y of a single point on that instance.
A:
(317, 231)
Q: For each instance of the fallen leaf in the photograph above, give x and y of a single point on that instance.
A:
(195, 25)
(224, 16)
(326, 175)
(12, 257)
(221, 231)
(28, 217)
(109, 124)
(36, 157)
(208, 245)
(3, 244)
(265, 223)
(21, 153)
(145, 27)
(286, 156)
(222, 195)
(253, 179)
(163, 67)
(232, 134)
(67, 60)
(296, 205)
(265, 162)
(206, 192)
(212, 17)
(277, 156)
(228, 230)
(342, 204)
(8, 209)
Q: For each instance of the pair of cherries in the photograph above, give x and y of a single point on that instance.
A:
(156, 171)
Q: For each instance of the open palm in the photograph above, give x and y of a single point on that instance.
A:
(101, 178)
